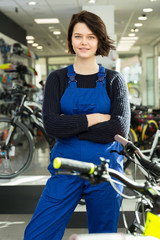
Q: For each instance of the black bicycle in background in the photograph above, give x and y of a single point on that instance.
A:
(17, 143)
(148, 191)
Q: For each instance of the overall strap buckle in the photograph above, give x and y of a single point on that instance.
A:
(71, 74)
(101, 74)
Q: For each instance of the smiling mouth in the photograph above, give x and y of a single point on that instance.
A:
(84, 49)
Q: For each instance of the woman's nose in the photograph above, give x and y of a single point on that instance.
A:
(84, 40)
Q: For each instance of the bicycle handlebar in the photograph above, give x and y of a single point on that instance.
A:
(19, 89)
(88, 168)
(100, 173)
(152, 167)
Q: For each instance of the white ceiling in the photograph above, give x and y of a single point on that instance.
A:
(126, 14)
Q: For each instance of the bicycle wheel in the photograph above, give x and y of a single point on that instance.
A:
(16, 148)
(142, 206)
(148, 131)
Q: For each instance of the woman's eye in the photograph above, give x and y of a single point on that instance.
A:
(91, 37)
(77, 36)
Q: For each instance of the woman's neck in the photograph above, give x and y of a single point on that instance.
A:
(86, 66)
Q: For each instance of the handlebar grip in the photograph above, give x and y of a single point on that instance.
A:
(121, 140)
(83, 167)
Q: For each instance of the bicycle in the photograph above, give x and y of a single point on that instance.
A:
(144, 123)
(100, 173)
(16, 138)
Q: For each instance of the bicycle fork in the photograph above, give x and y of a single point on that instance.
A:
(5, 152)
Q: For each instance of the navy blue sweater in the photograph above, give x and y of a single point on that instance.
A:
(64, 126)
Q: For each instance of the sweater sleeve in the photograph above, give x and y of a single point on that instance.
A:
(55, 124)
(120, 114)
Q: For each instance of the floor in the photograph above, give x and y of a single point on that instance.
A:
(12, 223)
(12, 227)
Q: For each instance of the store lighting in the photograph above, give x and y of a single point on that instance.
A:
(131, 34)
(30, 41)
(46, 20)
(138, 24)
(91, 1)
(123, 48)
(35, 44)
(147, 10)
(133, 30)
(32, 3)
(143, 17)
(129, 38)
(30, 38)
(126, 43)
(57, 32)
(39, 47)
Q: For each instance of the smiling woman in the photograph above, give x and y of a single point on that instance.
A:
(84, 107)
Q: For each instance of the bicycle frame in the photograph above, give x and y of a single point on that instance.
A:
(38, 122)
(154, 145)
(34, 104)
(14, 117)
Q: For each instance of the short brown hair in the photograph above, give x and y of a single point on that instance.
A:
(97, 26)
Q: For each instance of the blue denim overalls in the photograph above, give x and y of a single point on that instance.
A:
(63, 192)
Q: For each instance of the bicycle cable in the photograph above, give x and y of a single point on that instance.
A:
(112, 182)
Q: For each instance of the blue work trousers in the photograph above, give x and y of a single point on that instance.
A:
(58, 201)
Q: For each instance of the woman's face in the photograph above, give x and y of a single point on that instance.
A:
(84, 42)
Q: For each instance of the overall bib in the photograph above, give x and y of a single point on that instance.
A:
(63, 192)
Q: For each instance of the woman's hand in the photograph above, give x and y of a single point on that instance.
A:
(97, 118)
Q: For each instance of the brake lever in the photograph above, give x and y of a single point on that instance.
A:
(65, 172)
(122, 152)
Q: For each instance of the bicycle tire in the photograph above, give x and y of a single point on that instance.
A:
(132, 136)
(18, 154)
(147, 134)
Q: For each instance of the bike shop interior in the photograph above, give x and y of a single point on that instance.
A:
(29, 51)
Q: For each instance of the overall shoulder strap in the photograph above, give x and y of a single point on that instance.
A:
(71, 74)
(101, 74)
